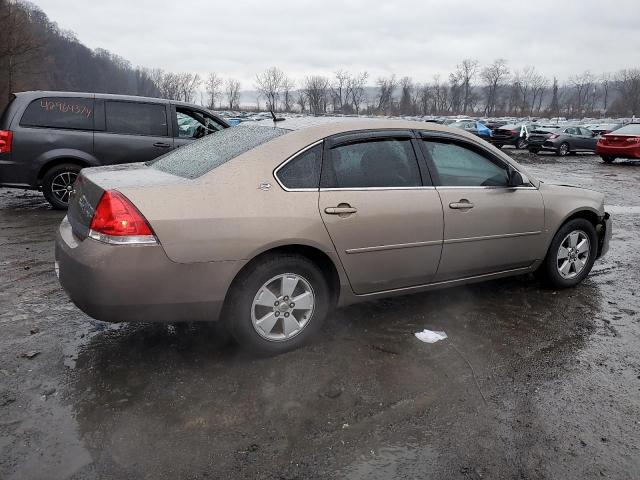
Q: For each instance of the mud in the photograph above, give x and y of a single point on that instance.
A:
(530, 383)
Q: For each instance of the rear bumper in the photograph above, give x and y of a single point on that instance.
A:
(118, 283)
(618, 152)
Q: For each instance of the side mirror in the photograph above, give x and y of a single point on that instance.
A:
(516, 179)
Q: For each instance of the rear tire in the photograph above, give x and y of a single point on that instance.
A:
(261, 312)
(607, 158)
(521, 144)
(534, 150)
(559, 269)
(564, 149)
(57, 184)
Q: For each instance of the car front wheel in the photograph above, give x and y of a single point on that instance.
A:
(57, 184)
(521, 144)
(607, 158)
(571, 254)
(277, 304)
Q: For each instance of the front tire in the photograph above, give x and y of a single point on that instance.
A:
(57, 184)
(607, 158)
(571, 254)
(277, 304)
(521, 144)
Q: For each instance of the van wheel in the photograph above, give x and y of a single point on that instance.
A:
(277, 304)
(571, 254)
(57, 184)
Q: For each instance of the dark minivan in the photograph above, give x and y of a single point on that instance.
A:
(46, 138)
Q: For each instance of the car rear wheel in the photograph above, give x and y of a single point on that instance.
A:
(571, 254)
(521, 144)
(607, 158)
(534, 150)
(564, 149)
(277, 304)
(57, 184)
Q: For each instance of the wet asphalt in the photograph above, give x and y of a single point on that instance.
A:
(531, 383)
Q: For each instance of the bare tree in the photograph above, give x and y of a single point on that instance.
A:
(386, 88)
(301, 99)
(287, 94)
(356, 90)
(463, 76)
(213, 85)
(494, 76)
(232, 90)
(605, 85)
(582, 86)
(316, 89)
(340, 90)
(19, 46)
(628, 85)
(269, 84)
(406, 96)
(188, 82)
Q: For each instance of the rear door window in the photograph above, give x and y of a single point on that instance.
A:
(58, 112)
(384, 162)
(135, 118)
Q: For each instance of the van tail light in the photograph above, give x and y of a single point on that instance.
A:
(117, 221)
(553, 135)
(6, 141)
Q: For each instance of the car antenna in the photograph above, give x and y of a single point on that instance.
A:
(276, 119)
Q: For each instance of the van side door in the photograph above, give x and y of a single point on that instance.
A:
(131, 131)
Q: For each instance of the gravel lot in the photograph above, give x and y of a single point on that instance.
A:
(530, 384)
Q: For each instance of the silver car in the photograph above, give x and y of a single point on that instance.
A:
(267, 229)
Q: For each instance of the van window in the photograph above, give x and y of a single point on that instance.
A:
(56, 112)
(135, 118)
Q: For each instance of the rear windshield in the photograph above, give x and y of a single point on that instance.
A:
(202, 156)
(631, 129)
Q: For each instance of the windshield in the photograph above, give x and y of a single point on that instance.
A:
(202, 156)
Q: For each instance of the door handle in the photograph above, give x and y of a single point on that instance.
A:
(340, 210)
(161, 145)
(463, 204)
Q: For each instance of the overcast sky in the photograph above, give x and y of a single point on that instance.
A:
(238, 38)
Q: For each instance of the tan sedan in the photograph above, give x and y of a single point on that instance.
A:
(267, 229)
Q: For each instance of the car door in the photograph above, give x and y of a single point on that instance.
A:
(131, 131)
(489, 226)
(587, 140)
(382, 213)
(190, 124)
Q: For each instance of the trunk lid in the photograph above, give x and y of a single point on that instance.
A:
(619, 140)
(93, 182)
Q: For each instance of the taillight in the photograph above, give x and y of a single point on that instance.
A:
(6, 140)
(515, 133)
(553, 135)
(633, 139)
(117, 220)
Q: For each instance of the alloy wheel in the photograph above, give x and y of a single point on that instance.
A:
(573, 254)
(62, 185)
(282, 307)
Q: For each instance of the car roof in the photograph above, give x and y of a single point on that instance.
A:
(33, 94)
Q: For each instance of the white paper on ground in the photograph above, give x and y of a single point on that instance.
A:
(429, 336)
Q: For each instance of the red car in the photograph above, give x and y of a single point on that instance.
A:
(621, 143)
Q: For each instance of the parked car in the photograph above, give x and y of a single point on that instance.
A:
(334, 214)
(511, 134)
(604, 128)
(50, 136)
(562, 141)
(474, 127)
(621, 143)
